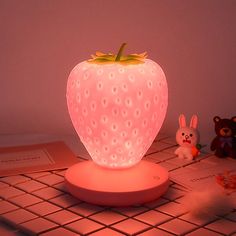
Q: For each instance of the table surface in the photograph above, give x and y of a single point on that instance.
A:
(38, 204)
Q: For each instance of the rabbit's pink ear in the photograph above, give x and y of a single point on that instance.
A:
(194, 121)
(182, 121)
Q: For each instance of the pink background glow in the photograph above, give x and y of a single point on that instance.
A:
(41, 41)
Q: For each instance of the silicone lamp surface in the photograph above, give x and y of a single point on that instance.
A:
(141, 183)
(117, 107)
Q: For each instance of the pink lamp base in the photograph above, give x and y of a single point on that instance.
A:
(141, 183)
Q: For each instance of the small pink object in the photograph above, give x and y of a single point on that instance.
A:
(117, 105)
(187, 137)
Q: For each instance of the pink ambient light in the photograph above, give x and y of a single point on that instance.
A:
(117, 105)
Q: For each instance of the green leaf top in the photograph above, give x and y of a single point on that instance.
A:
(102, 58)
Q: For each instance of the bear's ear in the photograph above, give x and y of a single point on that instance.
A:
(233, 119)
(216, 119)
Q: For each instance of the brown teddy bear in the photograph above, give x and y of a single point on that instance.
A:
(224, 144)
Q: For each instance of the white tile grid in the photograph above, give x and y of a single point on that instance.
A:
(49, 210)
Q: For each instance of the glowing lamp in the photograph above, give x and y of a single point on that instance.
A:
(117, 105)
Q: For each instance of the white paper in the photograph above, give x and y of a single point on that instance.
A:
(24, 159)
(204, 177)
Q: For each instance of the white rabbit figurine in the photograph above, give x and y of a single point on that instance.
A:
(187, 137)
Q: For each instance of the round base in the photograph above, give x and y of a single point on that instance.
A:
(141, 183)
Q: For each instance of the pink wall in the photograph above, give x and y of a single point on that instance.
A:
(193, 41)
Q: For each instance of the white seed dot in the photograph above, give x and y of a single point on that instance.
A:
(111, 75)
(80, 119)
(119, 150)
(140, 94)
(77, 83)
(104, 119)
(147, 105)
(124, 112)
(96, 140)
(114, 141)
(153, 72)
(104, 102)
(162, 106)
(160, 84)
(131, 153)
(123, 134)
(121, 70)
(124, 87)
(99, 85)
(131, 160)
(141, 70)
(144, 123)
(113, 157)
(104, 161)
(135, 132)
(94, 123)
(139, 140)
(118, 100)
(106, 148)
(84, 111)
(154, 116)
(115, 112)
(128, 123)
(104, 134)
(114, 90)
(114, 127)
(128, 144)
(93, 106)
(86, 75)
(78, 98)
(156, 98)
(89, 131)
(86, 93)
(131, 78)
(99, 72)
(128, 102)
(72, 84)
(113, 165)
(137, 113)
(149, 84)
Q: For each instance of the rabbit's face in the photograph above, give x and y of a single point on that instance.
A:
(187, 137)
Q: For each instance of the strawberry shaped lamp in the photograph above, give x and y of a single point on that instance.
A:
(117, 105)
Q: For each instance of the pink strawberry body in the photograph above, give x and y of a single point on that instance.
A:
(117, 110)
